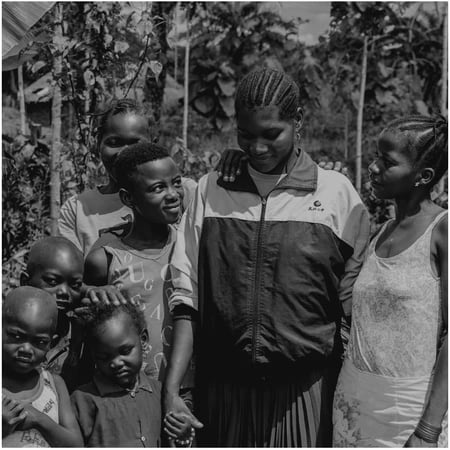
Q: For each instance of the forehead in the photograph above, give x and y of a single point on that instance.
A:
(115, 332)
(60, 259)
(34, 318)
(264, 117)
(127, 124)
(159, 169)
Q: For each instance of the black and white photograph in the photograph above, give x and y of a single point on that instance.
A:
(224, 224)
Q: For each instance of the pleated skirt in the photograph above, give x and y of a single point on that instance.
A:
(268, 413)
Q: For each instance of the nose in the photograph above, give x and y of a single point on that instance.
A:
(116, 363)
(259, 148)
(172, 193)
(25, 349)
(62, 292)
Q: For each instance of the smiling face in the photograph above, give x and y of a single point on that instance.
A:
(121, 130)
(267, 139)
(117, 348)
(27, 332)
(156, 193)
(392, 174)
(59, 271)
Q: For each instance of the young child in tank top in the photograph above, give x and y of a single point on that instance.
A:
(36, 409)
(150, 184)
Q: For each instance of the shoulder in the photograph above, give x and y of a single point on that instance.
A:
(188, 183)
(96, 258)
(440, 234)
(84, 392)
(335, 181)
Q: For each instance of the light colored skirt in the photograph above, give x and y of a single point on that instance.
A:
(371, 410)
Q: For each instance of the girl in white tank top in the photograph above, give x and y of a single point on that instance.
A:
(392, 388)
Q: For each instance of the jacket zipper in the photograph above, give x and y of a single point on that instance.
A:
(257, 277)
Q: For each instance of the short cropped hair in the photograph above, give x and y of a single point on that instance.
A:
(134, 155)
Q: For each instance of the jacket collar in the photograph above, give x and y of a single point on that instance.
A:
(105, 386)
(301, 175)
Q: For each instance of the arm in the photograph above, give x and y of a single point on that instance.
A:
(96, 268)
(182, 349)
(355, 234)
(436, 404)
(67, 221)
(183, 302)
(67, 432)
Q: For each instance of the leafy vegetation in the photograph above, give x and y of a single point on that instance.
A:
(110, 50)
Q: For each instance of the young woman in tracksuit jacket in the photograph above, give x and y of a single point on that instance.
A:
(263, 270)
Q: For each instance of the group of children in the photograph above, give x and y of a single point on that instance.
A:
(88, 339)
(97, 324)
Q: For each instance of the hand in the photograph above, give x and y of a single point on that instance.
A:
(105, 294)
(336, 165)
(32, 417)
(177, 426)
(174, 404)
(12, 415)
(230, 164)
(414, 441)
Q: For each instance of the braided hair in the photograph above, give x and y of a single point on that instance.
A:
(267, 87)
(427, 140)
(122, 106)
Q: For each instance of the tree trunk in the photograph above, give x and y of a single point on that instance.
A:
(359, 123)
(346, 136)
(21, 92)
(444, 64)
(186, 86)
(154, 87)
(175, 69)
(55, 181)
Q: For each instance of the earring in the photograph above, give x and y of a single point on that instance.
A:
(417, 184)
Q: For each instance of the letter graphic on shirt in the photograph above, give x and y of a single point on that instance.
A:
(156, 313)
(137, 273)
(166, 335)
(160, 360)
(148, 285)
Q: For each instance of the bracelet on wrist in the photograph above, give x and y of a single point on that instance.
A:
(427, 432)
(186, 442)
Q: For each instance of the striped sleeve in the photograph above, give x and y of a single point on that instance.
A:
(355, 233)
(184, 260)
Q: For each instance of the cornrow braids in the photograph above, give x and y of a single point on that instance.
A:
(267, 87)
(122, 106)
(428, 139)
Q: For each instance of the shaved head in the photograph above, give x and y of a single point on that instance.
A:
(32, 303)
(48, 249)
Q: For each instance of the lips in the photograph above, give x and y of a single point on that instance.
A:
(23, 361)
(173, 208)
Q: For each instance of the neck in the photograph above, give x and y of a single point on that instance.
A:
(17, 382)
(110, 188)
(415, 204)
(149, 234)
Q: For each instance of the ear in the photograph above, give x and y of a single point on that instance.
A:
(55, 339)
(144, 339)
(426, 176)
(126, 198)
(24, 278)
(299, 115)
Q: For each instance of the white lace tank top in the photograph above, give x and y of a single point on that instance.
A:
(396, 311)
